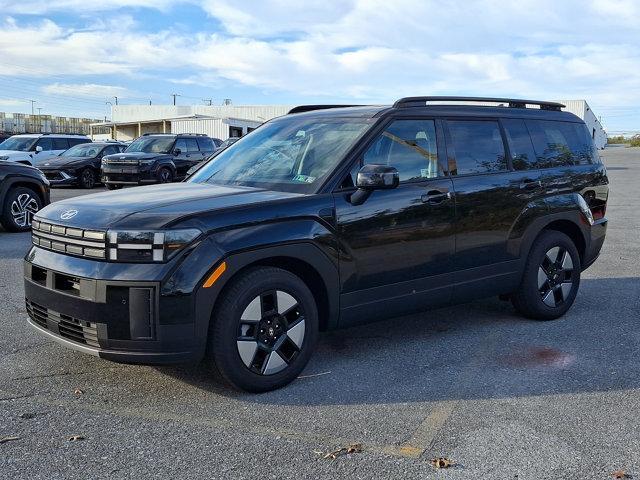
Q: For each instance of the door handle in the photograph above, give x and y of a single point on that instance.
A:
(530, 184)
(435, 197)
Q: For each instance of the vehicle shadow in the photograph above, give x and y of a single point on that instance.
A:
(477, 350)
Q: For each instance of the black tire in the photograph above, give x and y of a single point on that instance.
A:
(87, 178)
(20, 204)
(113, 186)
(165, 175)
(551, 280)
(227, 330)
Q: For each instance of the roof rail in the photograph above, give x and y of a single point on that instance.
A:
(310, 108)
(61, 133)
(408, 102)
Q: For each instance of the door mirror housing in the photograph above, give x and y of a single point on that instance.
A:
(377, 177)
(177, 151)
(38, 148)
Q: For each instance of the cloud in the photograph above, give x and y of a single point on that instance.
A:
(40, 7)
(363, 50)
(85, 90)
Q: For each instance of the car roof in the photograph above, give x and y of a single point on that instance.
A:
(53, 135)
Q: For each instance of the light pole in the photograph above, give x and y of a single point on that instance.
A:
(174, 95)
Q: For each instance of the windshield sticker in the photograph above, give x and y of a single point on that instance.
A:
(304, 179)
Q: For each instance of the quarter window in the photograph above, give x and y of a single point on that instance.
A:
(477, 146)
(523, 155)
(560, 143)
(408, 145)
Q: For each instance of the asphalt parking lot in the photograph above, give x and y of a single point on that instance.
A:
(501, 396)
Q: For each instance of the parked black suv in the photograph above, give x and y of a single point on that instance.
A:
(156, 158)
(80, 165)
(23, 191)
(325, 218)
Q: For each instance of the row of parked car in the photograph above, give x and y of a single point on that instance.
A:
(76, 160)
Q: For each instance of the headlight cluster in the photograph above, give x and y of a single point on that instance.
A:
(147, 246)
(4, 157)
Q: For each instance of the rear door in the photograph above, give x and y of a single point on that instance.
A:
(397, 247)
(490, 196)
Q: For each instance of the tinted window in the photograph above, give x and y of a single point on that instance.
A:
(560, 143)
(408, 145)
(60, 144)
(110, 150)
(45, 143)
(520, 146)
(206, 144)
(192, 145)
(181, 143)
(77, 141)
(477, 145)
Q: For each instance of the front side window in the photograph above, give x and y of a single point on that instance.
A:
(560, 143)
(409, 146)
(45, 143)
(288, 154)
(151, 145)
(205, 144)
(523, 155)
(19, 144)
(477, 146)
(192, 145)
(84, 150)
(60, 144)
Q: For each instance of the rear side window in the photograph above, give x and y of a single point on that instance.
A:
(206, 144)
(522, 153)
(408, 145)
(560, 143)
(60, 144)
(477, 146)
(192, 145)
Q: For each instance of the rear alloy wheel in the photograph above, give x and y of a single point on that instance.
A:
(165, 175)
(87, 178)
(264, 330)
(20, 206)
(551, 278)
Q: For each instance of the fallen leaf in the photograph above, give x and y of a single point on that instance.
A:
(77, 391)
(8, 439)
(353, 448)
(75, 438)
(621, 474)
(442, 462)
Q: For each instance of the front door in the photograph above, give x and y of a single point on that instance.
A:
(396, 248)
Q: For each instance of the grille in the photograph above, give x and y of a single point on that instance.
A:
(68, 327)
(124, 162)
(119, 177)
(74, 241)
(53, 175)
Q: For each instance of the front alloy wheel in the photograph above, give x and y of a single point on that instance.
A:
(263, 329)
(271, 332)
(21, 204)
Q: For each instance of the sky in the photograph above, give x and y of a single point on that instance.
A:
(74, 56)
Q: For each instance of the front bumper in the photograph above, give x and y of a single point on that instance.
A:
(119, 320)
(60, 177)
(135, 175)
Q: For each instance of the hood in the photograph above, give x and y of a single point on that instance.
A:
(14, 153)
(57, 162)
(155, 205)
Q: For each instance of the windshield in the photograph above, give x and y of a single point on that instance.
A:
(151, 145)
(83, 150)
(289, 154)
(22, 144)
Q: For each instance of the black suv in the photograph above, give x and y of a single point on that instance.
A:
(325, 218)
(80, 165)
(23, 191)
(156, 158)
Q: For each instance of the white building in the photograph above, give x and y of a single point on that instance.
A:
(581, 109)
(131, 121)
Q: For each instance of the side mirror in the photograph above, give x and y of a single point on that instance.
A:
(38, 148)
(373, 177)
(377, 177)
(177, 151)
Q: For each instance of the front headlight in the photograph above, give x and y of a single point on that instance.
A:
(146, 161)
(148, 246)
(4, 157)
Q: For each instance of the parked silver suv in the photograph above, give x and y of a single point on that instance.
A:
(36, 148)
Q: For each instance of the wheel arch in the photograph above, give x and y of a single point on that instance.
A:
(15, 182)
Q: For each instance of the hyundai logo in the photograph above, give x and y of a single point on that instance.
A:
(67, 214)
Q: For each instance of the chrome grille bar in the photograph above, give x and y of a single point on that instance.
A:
(71, 240)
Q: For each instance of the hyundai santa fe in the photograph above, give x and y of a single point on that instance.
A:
(327, 217)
